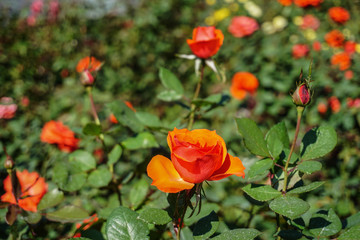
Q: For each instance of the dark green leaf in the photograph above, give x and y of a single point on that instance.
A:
(253, 137)
(352, 234)
(309, 167)
(51, 199)
(32, 217)
(155, 216)
(170, 81)
(206, 209)
(68, 214)
(277, 138)
(169, 96)
(138, 192)
(66, 180)
(82, 161)
(92, 129)
(288, 206)
(324, 223)
(148, 119)
(261, 192)
(100, 177)
(306, 188)
(352, 220)
(206, 226)
(285, 154)
(260, 168)
(238, 234)
(114, 155)
(318, 142)
(125, 116)
(142, 140)
(124, 223)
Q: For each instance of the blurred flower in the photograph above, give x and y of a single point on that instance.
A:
(25, 101)
(353, 103)
(357, 48)
(350, 47)
(334, 104)
(334, 38)
(31, 20)
(196, 156)
(268, 28)
(310, 21)
(310, 34)
(242, 26)
(36, 7)
(316, 46)
(54, 9)
(285, 2)
(32, 189)
(322, 108)
(221, 14)
(87, 223)
(55, 132)
(298, 20)
(243, 83)
(341, 60)
(307, 3)
(112, 117)
(206, 41)
(279, 22)
(210, 2)
(253, 9)
(339, 14)
(349, 74)
(7, 108)
(302, 95)
(86, 66)
(300, 50)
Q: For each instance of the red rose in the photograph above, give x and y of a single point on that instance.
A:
(300, 50)
(334, 38)
(339, 14)
(341, 60)
(310, 21)
(242, 26)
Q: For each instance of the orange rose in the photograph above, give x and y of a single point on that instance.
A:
(55, 132)
(33, 188)
(206, 41)
(342, 60)
(339, 14)
(196, 156)
(322, 108)
(86, 66)
(307, 3)
(335, 104)
(243, 83)
(334, 38)
(285, 2)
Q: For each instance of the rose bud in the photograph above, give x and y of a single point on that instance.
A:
(86, 78)
(301, 96)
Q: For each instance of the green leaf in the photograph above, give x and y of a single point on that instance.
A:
(324, 223)
(32, 217)
(318, 142)
(148, 119)
(206, 226)
(170, 81)
(352, 234)
(210, 100)
(277, 138)
(155, 216)
(82, 161)
(261, 192)
(260, 168)
(309, 167)
(238, 234)
(114, 155)
(68, 214)
(274, 145)
(285, 154)
(253, 137)
(169, 96)
(306, 188)
(125, 116)
(100, 177)
(123, 223)
(288, 206)
(138, 193)
(142, 140)
(66, 180)
(352, 220)
(206, 209)
(290, 234)
(92, 129)
(51, 199)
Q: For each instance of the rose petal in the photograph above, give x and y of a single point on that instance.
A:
(165, 177)
(231, 166)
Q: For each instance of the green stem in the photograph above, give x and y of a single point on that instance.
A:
(300, 110)
(196, 94)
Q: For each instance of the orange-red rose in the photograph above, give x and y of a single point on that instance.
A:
(339, 14)
(300, 50)
(307, 3)
(316, 46)
(350, 47)
(196, 156)
(55, 132)
(206, 41)
(334, 104)
(341, 60)
(243, 83)
(242, 26)
(322, 108)
(86, 66)
(334, 38)
(285, 2)
(33, 188)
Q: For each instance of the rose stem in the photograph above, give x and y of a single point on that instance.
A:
(196, 94)
(286, 174)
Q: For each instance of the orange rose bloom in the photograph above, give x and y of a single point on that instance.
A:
(316, 46)
(342, 60)
(55, 132)
(335, 104)
(33, 188)
(285, 2)
(206, 41)
(334, 38)
(307, 3)
(322, 108)
(339, 14)
(196, 156)
(243, 83)
(86, 66)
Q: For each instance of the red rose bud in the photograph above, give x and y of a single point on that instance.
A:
(86, 78)
(301, 96)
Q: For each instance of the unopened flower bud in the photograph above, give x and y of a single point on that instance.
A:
(9, 163)
(301, 96)
(86, 78)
